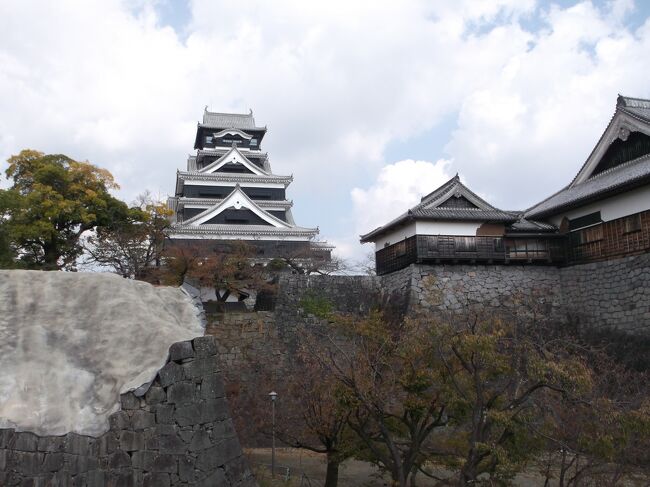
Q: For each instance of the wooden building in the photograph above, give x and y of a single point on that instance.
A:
(603, 213)
(229, 193)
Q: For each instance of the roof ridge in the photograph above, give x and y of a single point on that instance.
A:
(249, 114)
(622, 100)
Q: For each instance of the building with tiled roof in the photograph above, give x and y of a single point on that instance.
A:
(228, 192)
(604, 213)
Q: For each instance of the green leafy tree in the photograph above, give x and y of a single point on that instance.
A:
(52, 202)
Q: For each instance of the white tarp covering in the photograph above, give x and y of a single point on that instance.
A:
(71, 343)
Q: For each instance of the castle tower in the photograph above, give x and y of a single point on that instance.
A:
(229, 192)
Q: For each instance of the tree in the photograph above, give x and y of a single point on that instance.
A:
(132, 247)
(229, 270)
(389, 380)
(308, 260)
(316, 420)
(499, 381)
(52, 202)
(7, 252)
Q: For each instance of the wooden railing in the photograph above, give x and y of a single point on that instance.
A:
(452, 248)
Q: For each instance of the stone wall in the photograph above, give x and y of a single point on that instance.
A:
(613, 294)
(258, 349)
(497, 288)
(179, 433)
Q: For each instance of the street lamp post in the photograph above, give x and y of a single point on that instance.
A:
(273, 395)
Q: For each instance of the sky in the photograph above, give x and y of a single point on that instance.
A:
(369, 104)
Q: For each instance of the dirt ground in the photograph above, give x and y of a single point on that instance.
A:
(299, 468)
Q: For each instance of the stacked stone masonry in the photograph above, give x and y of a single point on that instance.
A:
(258, 350)
(178, 433)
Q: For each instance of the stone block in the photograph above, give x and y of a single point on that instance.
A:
(213, 410)
(186, 415)
(186, 470)
(170, 373)
(164, 413)
(210, 459)
(53, 462)
(157, 479)
(163, 463)
(171, 444)
(28, 463)
(215, 478)
(119, 459)
(129, 401)
(61, 479)
(200, 367)
(121, 478)
(155, 395)
(80, 463)
(142, 419)
(119, 420)
(142, 459)
(7, 438)
(107, 444)
(51, 443)
(181, 393)
(205, 346)
(131, 440)
(212, 387)
(181, 350)
(222, 430)
(95, 478)
(25, 441)
(78, 444)
(200, 440)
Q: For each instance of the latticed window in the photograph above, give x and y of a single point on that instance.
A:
(591, 234)
(400, 248)
(632, 223)
(465, 244)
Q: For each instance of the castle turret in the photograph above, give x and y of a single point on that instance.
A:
(229, 192)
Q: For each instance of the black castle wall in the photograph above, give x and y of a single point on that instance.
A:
(179, 433)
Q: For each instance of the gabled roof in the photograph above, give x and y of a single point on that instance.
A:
(637, 107)
(233, 156)
(453, 201)
(244, 121)
(613, 181)
(237, 199)
(631, 115)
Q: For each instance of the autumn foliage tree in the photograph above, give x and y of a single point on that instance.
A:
(132, 247)
(52, 202)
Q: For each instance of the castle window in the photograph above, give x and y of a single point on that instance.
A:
(465, 244)
(632, 223)
(585, 221)
(591, 234)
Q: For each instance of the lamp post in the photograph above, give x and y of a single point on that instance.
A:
(273, 395)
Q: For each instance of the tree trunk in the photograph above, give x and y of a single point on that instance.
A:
(50, 257)
(332, 476)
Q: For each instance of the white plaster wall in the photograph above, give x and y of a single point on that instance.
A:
(428, 228)
(71, 343)
(396, 236)
(466, 229)
(612, 208)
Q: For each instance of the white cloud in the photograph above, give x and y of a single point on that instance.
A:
(398, 187)
(337, 82)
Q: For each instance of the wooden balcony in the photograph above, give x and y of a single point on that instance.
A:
(433, 249)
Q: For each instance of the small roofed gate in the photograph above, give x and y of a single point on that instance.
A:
(484, 249)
